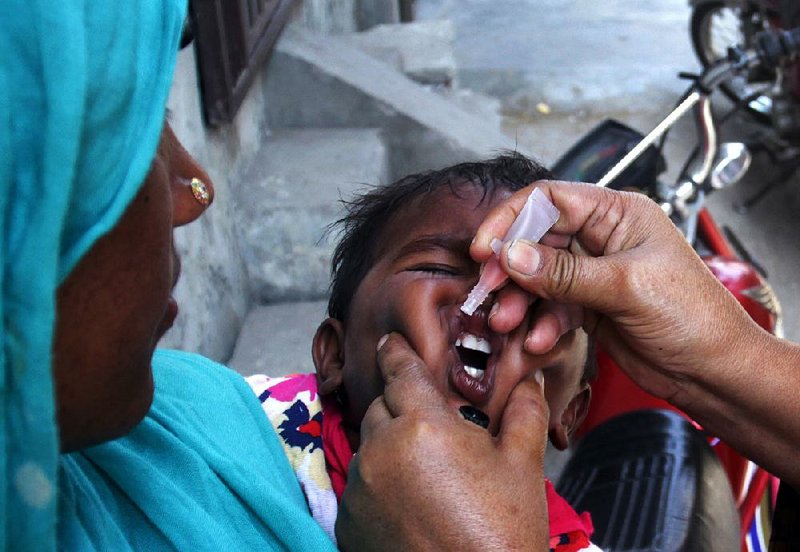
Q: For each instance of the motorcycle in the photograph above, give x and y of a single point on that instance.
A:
(770, 95)
(651, 477)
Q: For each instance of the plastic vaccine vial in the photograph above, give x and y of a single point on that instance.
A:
(538, 215)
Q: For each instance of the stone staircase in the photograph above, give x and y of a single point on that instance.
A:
(292, 195)
(345, 112)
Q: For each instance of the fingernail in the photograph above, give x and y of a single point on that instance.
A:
(382, 340)
(538, 375)
(528, 345)
(472, 414)
(494, 309)
(523, 258)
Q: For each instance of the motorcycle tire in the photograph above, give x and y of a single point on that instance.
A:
(715, 26)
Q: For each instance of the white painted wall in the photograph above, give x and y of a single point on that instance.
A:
(213, 292)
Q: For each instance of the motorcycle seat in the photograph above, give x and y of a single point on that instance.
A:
(652, 482)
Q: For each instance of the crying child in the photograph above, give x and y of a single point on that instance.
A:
(402, 265)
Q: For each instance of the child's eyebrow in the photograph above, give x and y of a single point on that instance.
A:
(452, 244)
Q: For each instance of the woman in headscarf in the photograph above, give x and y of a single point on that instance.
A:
(93, 183)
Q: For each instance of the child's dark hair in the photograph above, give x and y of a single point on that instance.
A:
(368, 214)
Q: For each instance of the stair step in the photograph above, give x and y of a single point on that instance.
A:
(289, 197)
(276, 339)
(325, 81)
(422, 50)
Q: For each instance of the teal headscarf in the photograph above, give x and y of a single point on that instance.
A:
(83, 87)
(73, 153)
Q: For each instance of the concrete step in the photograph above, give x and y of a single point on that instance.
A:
(324, 81)
(291, 194)
(276, 339)
(423, 51)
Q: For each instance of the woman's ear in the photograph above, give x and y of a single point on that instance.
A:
(327, 350)
(571, 418)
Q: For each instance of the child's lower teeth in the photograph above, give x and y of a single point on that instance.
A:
(475, 373)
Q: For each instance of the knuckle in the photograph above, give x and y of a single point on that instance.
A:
(398, 362)
(415, 430)
(609, 210)
(563, 275)
(535, 402)
(403, 369)
(639, 217)
(368, 466)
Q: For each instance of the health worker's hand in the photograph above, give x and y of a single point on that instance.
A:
(549, 322)
(648, 297)
(662, 315)
(425, 478)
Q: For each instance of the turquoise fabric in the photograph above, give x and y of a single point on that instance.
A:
(73, 152)
(83, 85)
(204, 471)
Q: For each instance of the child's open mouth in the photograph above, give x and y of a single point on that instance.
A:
(474, 352)
(477, 349)
(472, 376)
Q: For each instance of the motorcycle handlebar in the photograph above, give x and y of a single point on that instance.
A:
(776, 47)
(770, 49)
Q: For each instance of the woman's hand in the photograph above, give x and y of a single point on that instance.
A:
(550, 319)
(427, 479)
(650, 299)
(656, 308)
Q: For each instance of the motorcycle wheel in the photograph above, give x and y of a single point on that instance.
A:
(717, 25)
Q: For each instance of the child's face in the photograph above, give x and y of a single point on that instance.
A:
(421, 277)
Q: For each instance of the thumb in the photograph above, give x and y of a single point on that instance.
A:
(408, 383)
(523, 429)
(558, 274)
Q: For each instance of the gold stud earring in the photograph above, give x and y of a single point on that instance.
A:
(201, 192)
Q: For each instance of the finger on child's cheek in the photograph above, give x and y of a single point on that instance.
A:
(544, 334)
(552, 322)
(556, 241)
(524, 426)
(396, 359)
(408, 381)
(374, 419)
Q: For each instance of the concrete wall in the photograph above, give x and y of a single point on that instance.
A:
(213, 292)
(346, 16)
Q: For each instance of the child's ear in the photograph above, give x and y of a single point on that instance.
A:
(571, 418)
(327, 350)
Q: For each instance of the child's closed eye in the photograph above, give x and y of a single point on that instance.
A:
(437, 270)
